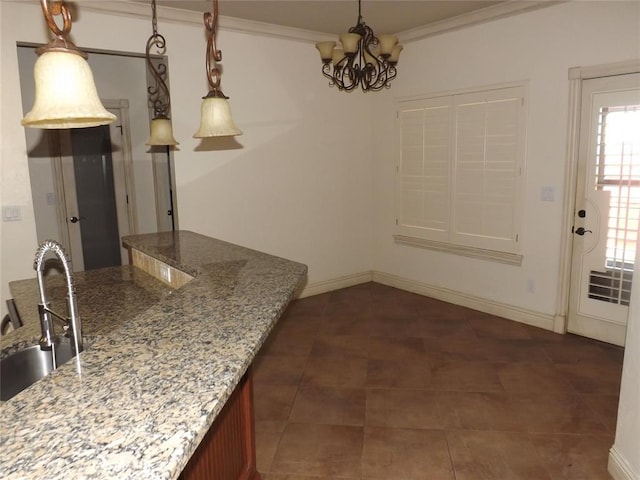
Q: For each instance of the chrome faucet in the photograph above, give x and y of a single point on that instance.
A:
(73, 323)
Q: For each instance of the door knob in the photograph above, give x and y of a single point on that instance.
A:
(581, 231)
(74, 219)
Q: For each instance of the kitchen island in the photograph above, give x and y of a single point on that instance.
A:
(151, 385)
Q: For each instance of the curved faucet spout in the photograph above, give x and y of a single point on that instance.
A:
(49, 338)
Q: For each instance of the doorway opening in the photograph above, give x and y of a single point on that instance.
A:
(603, 201)
(67, 168)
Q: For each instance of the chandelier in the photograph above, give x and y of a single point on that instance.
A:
(161, 129)
(362, 59)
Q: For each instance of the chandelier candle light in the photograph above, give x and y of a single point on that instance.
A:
(65, 92)
(215, 114)
(161, 129)
(362, 59)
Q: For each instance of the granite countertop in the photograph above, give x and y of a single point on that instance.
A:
(138, 401)
(109, 296)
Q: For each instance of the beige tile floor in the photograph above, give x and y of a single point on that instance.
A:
(371, 382)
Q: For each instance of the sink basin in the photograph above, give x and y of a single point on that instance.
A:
(27, 366)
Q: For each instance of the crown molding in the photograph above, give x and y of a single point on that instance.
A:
(177, 15)
(501, 10)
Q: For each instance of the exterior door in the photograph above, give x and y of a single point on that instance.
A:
(95, 194)
(607, 208)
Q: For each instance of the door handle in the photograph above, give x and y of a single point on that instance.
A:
(74, 219)
(581, 231)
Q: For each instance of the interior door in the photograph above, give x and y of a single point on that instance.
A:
(95, 195)
(605, 231)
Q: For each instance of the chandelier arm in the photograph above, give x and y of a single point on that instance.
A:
(326, 71)
(352, 72)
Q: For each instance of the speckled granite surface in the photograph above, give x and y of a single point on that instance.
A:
(137, 402)
(109, 296)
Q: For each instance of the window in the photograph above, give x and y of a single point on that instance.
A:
(618, 175)
(460, 185)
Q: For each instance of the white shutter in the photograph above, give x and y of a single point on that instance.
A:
(423, 171)
(459, 183)
(488, 156)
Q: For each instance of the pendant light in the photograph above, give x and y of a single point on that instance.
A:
(215, 113)
(65, 92)
(161, 129)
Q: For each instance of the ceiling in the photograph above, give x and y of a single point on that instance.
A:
(336, 16)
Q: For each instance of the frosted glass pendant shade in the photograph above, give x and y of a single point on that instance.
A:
(161, 132)
(215, 119)
(66, 95)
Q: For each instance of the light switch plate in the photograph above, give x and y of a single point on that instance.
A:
(548, 194)
(11, 213)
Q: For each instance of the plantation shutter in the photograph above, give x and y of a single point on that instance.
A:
(425, 141)
(488, 153)
(460, 170)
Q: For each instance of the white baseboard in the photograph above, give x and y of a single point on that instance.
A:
(619, 468)
(503, 310)
(317, 288)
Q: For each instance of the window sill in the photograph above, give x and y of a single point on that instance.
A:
(492, 255)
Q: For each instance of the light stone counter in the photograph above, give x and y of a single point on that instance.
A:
(109, 296)
(138, 401)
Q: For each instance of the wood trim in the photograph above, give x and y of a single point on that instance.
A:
(123, 106)
(511, 312)
(58, 186)
(619, 468)
(492, 255)
(501, 10)
(317, 288)
(176, 15)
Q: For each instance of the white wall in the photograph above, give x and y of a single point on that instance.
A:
(624, 459)
(300, 186)
(297, 184)
(538, 47)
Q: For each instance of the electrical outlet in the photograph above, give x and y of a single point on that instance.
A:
(165, 273)
(531, 285)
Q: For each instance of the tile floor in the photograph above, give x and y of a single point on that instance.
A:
(371, 382)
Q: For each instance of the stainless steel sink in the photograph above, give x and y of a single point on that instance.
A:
(25, 367)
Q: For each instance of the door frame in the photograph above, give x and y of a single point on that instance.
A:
(122, 105)
(576, 76)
